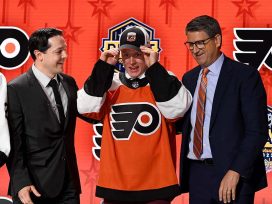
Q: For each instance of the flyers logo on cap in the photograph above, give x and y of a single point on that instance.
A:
(112, 41)
(13, 47)
(131, 37)
(253, 46)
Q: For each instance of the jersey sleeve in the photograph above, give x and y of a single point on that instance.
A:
(91, 98)
(172, 98)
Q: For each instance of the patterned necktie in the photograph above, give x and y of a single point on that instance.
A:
(200, 112)
(54, 84)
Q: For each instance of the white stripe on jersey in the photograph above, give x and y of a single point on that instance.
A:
(177, 106)
(87, 103)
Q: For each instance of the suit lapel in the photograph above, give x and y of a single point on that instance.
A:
(194, 80)
(39, 92)
(222, 84)
(192, 85)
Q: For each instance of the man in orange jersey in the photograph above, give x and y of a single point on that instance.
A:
(138, 108)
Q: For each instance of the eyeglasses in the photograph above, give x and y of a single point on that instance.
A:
(200, 44)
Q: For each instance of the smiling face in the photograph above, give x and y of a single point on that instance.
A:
(206, 56)
(133, 62)
(52, 60)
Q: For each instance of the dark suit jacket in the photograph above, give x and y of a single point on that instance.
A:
(238, 127)
(41, 150)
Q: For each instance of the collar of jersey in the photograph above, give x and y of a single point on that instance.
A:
(129, 82)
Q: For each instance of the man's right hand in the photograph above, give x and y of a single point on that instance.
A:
(24, 194)
(110, 56)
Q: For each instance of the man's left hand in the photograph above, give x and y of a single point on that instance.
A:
(227, 189)
(150, 55)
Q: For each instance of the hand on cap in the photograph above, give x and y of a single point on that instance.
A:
(150, 55)
(110, 56)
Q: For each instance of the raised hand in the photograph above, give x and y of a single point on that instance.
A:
(110, 56)
(150, 55)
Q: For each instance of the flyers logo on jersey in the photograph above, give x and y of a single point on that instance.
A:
(13, 47)
(141, 118)
(253, 46)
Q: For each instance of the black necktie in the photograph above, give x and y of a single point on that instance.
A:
(54, 84)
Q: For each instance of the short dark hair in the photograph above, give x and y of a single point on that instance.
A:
(204, 23)
(39, 39)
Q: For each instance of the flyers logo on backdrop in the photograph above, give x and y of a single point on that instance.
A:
(13, 47)
(114, 34)
(267, 151)
(253, 46)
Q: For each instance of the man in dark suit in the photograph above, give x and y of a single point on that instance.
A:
(226, 128)
(42, 114)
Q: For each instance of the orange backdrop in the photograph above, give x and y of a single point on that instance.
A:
(86, 22)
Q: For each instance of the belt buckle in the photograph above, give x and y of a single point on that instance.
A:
(208, 161)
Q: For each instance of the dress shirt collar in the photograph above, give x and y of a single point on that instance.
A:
(130, 78)
(215, 67)
(42, 78)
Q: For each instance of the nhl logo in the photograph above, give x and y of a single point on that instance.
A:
(135, 84)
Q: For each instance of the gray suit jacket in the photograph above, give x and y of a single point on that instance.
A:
(41, 149)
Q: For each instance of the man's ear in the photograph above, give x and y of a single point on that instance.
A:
(39, 55)
(218, 40)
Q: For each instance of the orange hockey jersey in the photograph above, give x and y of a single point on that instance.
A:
(137, 160)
